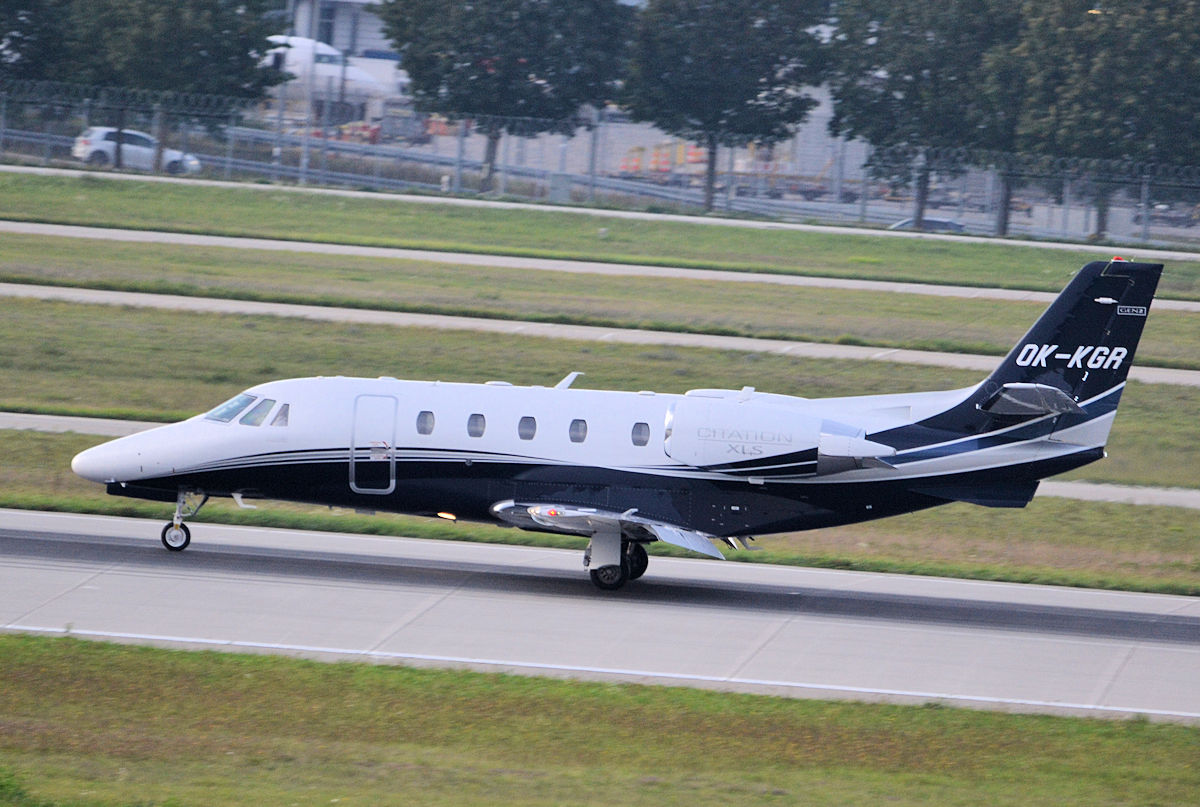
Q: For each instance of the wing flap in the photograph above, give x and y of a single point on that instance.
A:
(590, 520)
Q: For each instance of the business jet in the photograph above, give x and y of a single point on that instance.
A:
(625, 469)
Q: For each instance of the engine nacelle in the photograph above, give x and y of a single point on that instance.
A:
(707, 431)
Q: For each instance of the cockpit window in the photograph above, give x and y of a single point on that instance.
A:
(281, 417)
(258, 414)
(231, 408)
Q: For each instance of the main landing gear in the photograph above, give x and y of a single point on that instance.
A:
(632, 564)
(175, 535)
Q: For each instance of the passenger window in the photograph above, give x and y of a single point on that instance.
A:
(258, 414)
(526, 428)
(476, 424)
(281, 417)
(230, 409)
(425, 422)
(641, 434)
(578, 431)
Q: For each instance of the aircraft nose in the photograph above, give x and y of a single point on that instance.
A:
(107, 462)
(93, 464)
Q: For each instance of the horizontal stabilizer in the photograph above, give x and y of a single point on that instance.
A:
(1017, 494)
(1030, 400)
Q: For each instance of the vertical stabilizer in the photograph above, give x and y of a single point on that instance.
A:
(1077, 355)
(1084, 343)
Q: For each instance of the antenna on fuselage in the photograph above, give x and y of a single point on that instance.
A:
(568, 380)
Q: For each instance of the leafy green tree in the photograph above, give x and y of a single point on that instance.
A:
(32, 34)
(915, 75)
(725, 72)
(1112, 81)
(193, 46)
(498, 60)
(187, 46)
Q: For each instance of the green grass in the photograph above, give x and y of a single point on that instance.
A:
(745, 309)
(86, 723)
(266, 212)
(1053, 541)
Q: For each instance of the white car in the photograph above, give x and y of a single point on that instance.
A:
(98, 146)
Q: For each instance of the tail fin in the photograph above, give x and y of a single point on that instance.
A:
(1078, 352)
(1084, 343)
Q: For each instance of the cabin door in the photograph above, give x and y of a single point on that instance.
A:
(373, 445)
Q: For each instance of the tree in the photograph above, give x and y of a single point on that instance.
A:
(724, 72)
(498, 60)
(213, 47)
(1112, 81)
(915, 76)
(32, 33)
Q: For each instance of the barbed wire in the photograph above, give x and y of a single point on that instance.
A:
(952, 160)
(137, 100)
(521, 126)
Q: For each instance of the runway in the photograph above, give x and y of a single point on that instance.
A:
(732, 626)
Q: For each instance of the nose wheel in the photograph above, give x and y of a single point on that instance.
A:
(175, 534)
(176, 537)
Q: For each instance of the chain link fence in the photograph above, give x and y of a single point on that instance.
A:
(602, 158)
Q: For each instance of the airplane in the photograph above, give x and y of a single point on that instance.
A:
(625, 469)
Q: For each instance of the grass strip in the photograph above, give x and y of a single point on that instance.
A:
(738, 309)
(290, 215)
(92, 723)
(1051, 542)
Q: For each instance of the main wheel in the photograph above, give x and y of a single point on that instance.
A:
(637, 560)
(175, 167)
(611, 578)
(98, 159)
(175, 538)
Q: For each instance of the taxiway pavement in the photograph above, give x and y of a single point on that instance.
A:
(731, 626)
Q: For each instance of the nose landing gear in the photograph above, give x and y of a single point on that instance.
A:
(175, 535)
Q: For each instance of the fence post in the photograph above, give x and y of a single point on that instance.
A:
(865, 189)
(3, 118)
(593, 148)
(325, 123)
(504, 165)
(1145, 203)
(1066, 218)
(729, 179)
(159, 141)
(458, 157)
(839, 171)
(231, 137)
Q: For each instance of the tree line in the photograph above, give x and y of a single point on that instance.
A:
(1111, 80)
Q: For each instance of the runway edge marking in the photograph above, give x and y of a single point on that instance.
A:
(614, 671)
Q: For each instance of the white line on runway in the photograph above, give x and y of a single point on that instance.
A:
(381, 655)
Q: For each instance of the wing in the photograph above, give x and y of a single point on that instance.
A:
(590, 520)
